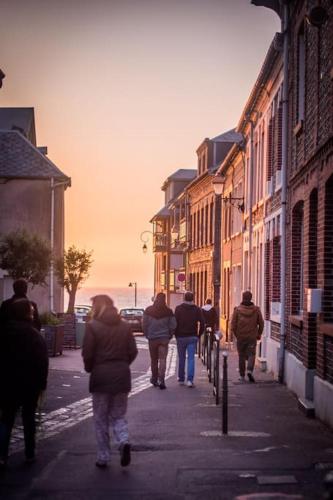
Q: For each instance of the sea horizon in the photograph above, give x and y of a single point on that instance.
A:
(122, 296)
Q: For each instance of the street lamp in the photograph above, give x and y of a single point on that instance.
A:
(2, 76)
(218, 185)
(145, 240)
(135, 285)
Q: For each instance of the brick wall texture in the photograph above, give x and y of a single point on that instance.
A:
(310, 190)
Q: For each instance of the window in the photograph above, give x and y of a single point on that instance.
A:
(211, 222)
(300, 75)
(297, 257)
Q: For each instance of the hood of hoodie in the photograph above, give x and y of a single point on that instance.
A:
(207, 307)
(109, 317)
(158, 311)
(246, 310)
(188, 304)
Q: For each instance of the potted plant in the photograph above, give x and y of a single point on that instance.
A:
(72, 270)
(53, 331)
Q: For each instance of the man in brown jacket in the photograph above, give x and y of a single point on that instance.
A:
(247, 325)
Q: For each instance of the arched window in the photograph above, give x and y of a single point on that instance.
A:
(297, 259)
(313, 224)
(328, 253)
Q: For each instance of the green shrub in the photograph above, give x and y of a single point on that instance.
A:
(48, 318)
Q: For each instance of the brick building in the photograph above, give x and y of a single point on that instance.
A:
(251, 185)
(309, 328)
(170, 237)
(204, 266)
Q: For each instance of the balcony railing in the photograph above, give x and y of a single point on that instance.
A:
(160, 242)
(182, 232)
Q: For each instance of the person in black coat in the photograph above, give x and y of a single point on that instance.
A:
(20, 287)
(23, 376)
(210, 316)
(108, 350)
(190, 325)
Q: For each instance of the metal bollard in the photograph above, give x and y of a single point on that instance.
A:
(225, 394)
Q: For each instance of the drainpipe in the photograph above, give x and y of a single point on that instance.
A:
(52, 247)
(251, 204)
(285, 31)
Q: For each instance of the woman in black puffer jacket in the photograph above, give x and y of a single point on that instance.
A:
(108, 350)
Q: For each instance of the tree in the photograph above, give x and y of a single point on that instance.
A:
(25, 255)
(72, 270)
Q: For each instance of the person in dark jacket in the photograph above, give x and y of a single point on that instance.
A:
(210, 315)
(190, 325)
(108, 350)
(20, 287)
(23, 376)
(247, 325)
(159, 324)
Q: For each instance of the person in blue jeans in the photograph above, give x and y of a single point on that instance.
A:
(190, 325)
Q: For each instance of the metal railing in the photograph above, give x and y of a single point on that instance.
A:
(209, 353)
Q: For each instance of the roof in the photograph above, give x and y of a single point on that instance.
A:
(273, 55)
(21, 119)
(229, 136)
(21, 159)
(164, 212)
(183, 174)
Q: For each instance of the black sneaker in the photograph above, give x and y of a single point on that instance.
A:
(162, 385)
(154, 382)
(250, 377)
(101, 464)
(125, 454)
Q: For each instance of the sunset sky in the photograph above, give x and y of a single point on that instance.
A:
(124, 91)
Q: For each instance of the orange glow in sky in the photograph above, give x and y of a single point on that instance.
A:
(124, 92)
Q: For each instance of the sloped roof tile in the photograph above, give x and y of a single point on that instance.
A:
(21, 159)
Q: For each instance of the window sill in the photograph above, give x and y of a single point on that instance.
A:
(299, 127)
(296, 321)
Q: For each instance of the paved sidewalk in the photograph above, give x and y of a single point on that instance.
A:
(179, 452)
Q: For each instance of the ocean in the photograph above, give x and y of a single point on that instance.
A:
(122, 297)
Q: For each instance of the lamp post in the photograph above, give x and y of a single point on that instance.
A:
(135, 285)
(2, 76)
(218, 185)
(145, 240)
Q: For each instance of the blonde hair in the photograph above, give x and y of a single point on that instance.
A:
(99, 304)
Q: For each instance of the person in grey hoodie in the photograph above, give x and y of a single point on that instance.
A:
(159, 323)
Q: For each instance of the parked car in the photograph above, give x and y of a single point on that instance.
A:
(81, 313)
(133, 316)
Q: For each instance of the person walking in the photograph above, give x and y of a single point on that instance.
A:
(23, 376)
(247, 325)
(20, 287)
(108, 350)
(210, 316)
(190, 325)
(159, 324)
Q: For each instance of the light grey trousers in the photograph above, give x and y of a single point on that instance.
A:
(109, 410)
